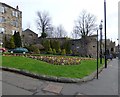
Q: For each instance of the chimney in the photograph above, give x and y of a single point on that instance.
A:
(17, 7)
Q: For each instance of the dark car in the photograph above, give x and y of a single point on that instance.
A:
(18, 50)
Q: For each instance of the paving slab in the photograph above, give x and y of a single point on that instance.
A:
(53, 88)
(13, 90)
(21, 81)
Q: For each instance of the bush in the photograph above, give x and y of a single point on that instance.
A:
(46, 44)
(63, 52)
(33, 49)
(59, 51)
(54, 51)
(70, 51)
(36, 50)
(50, 51)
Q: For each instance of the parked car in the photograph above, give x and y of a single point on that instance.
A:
(2, 50)
(18, 50)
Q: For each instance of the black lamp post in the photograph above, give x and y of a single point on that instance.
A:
(105, 32)
(100, 27)
(97, 54)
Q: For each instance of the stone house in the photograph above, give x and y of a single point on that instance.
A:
(29, 37)
(10, 21)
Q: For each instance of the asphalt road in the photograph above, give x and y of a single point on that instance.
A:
(16, 84)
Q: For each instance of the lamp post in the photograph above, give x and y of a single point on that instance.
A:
(97, 54)
(100, 27)
(118, 51)
(105, 32)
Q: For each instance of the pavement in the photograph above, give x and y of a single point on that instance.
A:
(16, 84)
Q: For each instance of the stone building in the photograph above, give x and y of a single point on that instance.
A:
(10, 20)
(78, 46)
(87, 48)
(29, 37)
(110, 46)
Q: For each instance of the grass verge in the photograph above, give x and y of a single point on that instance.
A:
(39, 67)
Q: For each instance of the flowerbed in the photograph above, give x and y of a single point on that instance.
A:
(60, 60)
(56, 60)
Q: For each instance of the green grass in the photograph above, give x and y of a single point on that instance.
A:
(39, 67)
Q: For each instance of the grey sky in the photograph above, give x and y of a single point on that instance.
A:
(65, 12)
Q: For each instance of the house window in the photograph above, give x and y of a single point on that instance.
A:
(2, 9)
(15, 13)
(2, 19)
(2, 30)
(14, 23)
(13, 31)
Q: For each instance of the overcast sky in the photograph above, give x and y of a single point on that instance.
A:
(65, 12)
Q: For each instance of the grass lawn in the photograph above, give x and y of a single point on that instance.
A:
(39, 67)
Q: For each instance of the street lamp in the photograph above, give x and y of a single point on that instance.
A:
(105, 32)
(100, 27)
(97, 54)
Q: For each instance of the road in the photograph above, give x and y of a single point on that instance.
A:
(16, 84)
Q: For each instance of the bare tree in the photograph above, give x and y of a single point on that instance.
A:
(43, 22)
(86, 24)
(75, 34)
(60, 32)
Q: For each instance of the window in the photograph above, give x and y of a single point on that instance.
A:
(13, 31)
(2, 30)
(15, 13)
(2, 10)
(2, 19)
(14, 23)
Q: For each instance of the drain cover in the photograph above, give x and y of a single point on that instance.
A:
(53, 88)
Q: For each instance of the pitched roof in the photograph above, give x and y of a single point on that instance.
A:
(28, 30)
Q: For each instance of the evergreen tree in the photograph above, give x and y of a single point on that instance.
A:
(17, 39)
(12, 44)
(55, 45)
(66, 46)
(46, 44)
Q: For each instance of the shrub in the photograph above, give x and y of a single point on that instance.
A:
(46, 44)
(54, 51)
(63, 52)
(59, 51)
(33, 49)
(70, 51)
(50, 51)
(36, 50)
